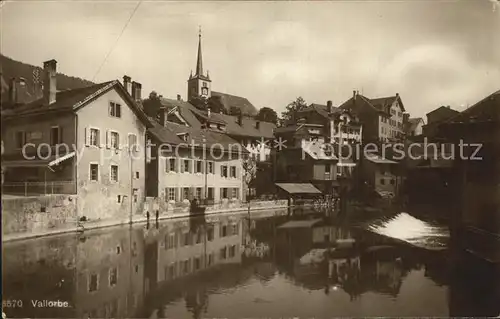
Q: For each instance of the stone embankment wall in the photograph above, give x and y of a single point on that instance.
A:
(41, 214)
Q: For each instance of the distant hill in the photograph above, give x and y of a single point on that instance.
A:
(10, 68)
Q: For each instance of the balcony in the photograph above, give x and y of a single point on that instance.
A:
(39, 188)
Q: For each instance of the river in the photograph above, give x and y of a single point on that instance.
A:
(233, 266)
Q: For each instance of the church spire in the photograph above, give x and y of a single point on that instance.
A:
(199, 62)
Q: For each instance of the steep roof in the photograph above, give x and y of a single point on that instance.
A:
(378, 104)
(195, 117)
(445, 110)
(321, 109)
(14, 69)
(488, 109)
(72, 100)
(228, 101)
(169, 134)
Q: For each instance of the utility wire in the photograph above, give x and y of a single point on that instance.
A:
(117, 39)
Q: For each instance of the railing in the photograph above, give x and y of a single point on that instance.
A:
(39, 188)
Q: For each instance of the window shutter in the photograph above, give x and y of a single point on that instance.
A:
(118, 141)
(203, 195)
(167, 164)
(203, 168)
(166, 194)
(176, 192)
(181, 194)
(108, 139)
(190, 165)
(191, 193)
(118, 110)
(87, 136)
(182, 165)
(176, 165)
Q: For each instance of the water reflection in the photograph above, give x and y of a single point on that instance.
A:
(233, 266)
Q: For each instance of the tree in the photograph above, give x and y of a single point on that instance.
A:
(289, 115)
(202, 103)
(250, 173)
(267, 114)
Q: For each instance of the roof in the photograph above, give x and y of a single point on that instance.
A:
(317, 150)
(72, 100)
(14, 69)
(298, 188)
(377, 104)
(194, 118)
(319, 108)
(169, 134)
(378, 159)
(241, 103)
(413, 123)
(443, 109)
(484, 110)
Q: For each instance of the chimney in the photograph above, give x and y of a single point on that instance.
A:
(329, 106)
(257, 125)
(13, 91)
(136, 91)
(49, 81)
(127, 84)
(354, 94)
(406, 117)
(240, 119)
(179, 97)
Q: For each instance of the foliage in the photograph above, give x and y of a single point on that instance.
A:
(250, 170)
(289, 115)
(203, 103)
(267, 114)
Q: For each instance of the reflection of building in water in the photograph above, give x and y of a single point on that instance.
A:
(99, 274)
(186, 250)
(110, 270)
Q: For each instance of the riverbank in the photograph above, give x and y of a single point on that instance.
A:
(138, 219)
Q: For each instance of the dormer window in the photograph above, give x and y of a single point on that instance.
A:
(183, 136)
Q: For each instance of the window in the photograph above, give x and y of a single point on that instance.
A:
(198, 192)
(210, 233)
(186, 165)
(185, 266)
(233, 171)
(223, 192)
(115, 109)
(210, 192)
(20, 139)
(170, 164)
(223, 171)
(232, 251)
(393, 181)
(186, 239)
(94, 172)
(382, 181)
(55, 135)
(136, 175)
(210, 259)
(93, 282)
(170, 239)
(185, 193)
(197, 263)
(234, 229)
(210, 167)
(114, 173)
(113, 276)
(205, 84)
(114, 140)
(327, 168)
(119, 198)
(171, 194)
(136, 194)
(223, 230)
(204, 91)
(94, 137)
(132, 142)
(199, 167)
(223, 253)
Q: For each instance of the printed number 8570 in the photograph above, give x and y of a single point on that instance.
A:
(12, 303)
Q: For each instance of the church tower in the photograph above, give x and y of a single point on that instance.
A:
(199, 84)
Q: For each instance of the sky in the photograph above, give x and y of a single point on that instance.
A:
(431, 52)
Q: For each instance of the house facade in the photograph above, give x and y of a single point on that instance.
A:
(187, 164)
(413, 126)
(87, 141)
(382, 118)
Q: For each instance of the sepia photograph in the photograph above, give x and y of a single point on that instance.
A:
(250, 159)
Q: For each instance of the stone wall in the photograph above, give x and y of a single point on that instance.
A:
(42, 214)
